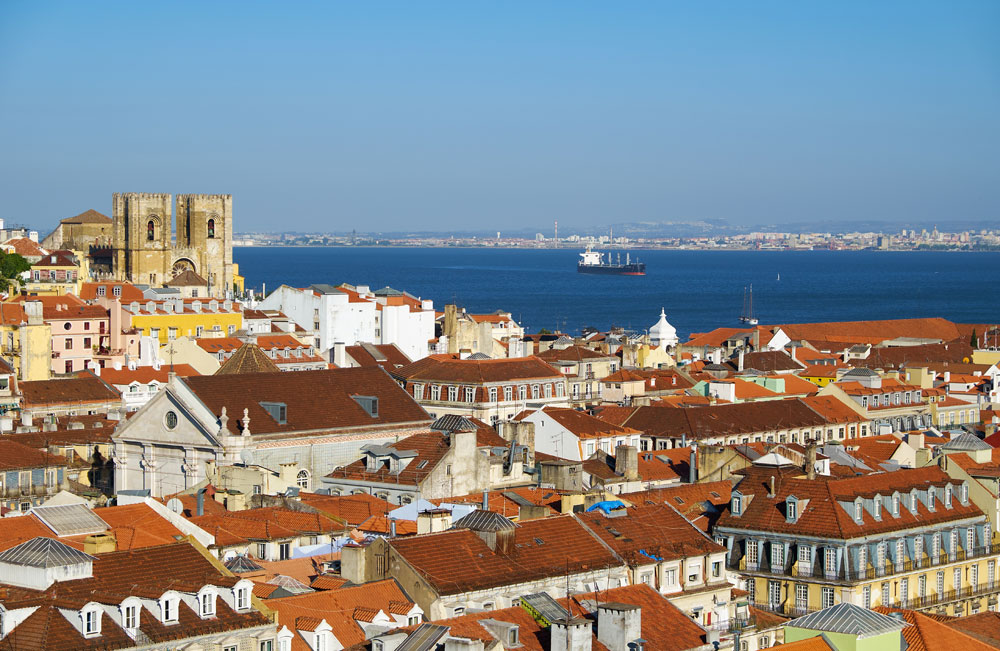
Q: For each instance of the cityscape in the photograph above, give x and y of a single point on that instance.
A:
(236, 415)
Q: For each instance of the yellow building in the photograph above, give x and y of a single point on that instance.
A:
(26, 339)
(57, 274)
(907, 539)
(820, 374)
(168, 319)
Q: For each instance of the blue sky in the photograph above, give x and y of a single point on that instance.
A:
(475, 115)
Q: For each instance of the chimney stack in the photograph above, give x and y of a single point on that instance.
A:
(739, 364)
(627, 462)
(693, 466)
(811, 460)
(571, 634)
(618, 625)
(201, 502)
(770, 493)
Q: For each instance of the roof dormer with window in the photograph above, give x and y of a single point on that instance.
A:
(792, 505)
(167, 607)
(238, 596)
(206, 602)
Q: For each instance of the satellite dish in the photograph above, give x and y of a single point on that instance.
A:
(246, 456)
(176, 505)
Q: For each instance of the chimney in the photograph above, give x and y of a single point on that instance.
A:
(627, 462)
(392, 528)
(486, 499)
(811, 460)
(770, 492)
(618, 625)
(26, 418)
(340, 354)
(571, 634)
(739, 364)
(99, 543)
(693, 466)
(201, 502)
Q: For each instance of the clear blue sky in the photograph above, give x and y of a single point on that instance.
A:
(441, 115)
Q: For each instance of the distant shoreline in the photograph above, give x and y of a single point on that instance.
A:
(602, 248)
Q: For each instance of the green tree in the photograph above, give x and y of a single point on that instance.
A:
(975, 339)
(12, 266)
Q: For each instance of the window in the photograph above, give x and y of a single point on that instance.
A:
(736, 507)
(241, 599)
(232, 647)
(117, 290)
(826, 597)
(302, 479)
(169, 610)
(940, 582)
(774, 592)
(458, 610)
(522, 392)
(435, 392)
(900, 550)
(493, 394)
(535, 392)
(470, 394)
(763, 642)
(904, 590)
(947, 496)
(412, 620)
(207, 604)
(267, 645)
(752, 552)
(716, 569)
(792, 510)
(211, 229)
(935, 545)
(884, 593)
(970, 539)
(830, 560)
(866, 596)
(670, 577)
(801, 596)
(284, 551)
(171, 333)
(777, 555)
(963, 494)
(974, 575)
(130, 616)
(232, 330)
(91, 623)
(262, 551)
(453, 394)
(150, 230)
(86, 343)
(101, 289)
(276, 410)
(508, 393)
(857, 510)
(68, 344)
(957, 578)
(752, 590)
(877, 504)
(805, 554)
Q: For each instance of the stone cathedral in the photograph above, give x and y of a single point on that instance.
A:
(151, 247)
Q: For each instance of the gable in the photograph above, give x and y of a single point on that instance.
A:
(149, 424)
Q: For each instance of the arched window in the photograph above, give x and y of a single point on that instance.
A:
(151, 230)
(211, 228)
(302, 479)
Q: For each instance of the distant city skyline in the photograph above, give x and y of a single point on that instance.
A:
(454, 116)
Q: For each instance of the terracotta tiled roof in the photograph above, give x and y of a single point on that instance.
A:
(722, 420)
(269, 523)
(187, 278)
(75, 390)
(572, 354)
(88, 217)
(129, 292)
(664, 626)
(66, 308)
(147, 572)
(145, 374)
(832, 409)
(380, 524)
(445, 368)
(352, 509)
(457, 561)
(927, 634)
(507, 502)
(338, 608)
(393, 356)
(824, 516)
(900, 356)
(16, 456)
(298, 391)
(531, 636)
(817, 643)
(248, 358)
(57, 259)
(985, 627)
(658, 530)
(699, 503)
(24, 247)
(873, 332)
(583, 425)
(767, 361)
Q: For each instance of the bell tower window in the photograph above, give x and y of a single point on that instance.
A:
(150, 230)
(211, 229)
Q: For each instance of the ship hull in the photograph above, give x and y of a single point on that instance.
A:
(633, 269)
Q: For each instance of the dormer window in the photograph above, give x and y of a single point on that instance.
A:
(736, 505)
(895, 505)
(791, 508)
(369, 404)
(206, 603)
(277, 410)
(947, 496)
(963, 493)
(91, 622)
(168, 610)
(130, 616)
(931, 495)
(913, 501)
(512, 636)
(877, 508)
(857, 510)
(242, 598)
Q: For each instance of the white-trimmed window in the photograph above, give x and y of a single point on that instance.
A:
(453, 394)
(130, 616)
(470, 394)
(302, 479)
(206, 603)
(242, 598)
(91, 622)
(168, 609)
(752, 552)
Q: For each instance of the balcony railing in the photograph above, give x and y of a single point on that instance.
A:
(817, 571)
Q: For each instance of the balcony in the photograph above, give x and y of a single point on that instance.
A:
(816, 570)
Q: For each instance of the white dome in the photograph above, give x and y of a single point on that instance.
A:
(663, 333)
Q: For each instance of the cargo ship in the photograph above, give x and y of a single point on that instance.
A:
(592, 262)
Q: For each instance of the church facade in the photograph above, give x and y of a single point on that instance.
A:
(151, 247)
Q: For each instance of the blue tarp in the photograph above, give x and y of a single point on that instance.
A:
(607, 506)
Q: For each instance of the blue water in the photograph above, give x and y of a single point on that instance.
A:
(700, 290)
